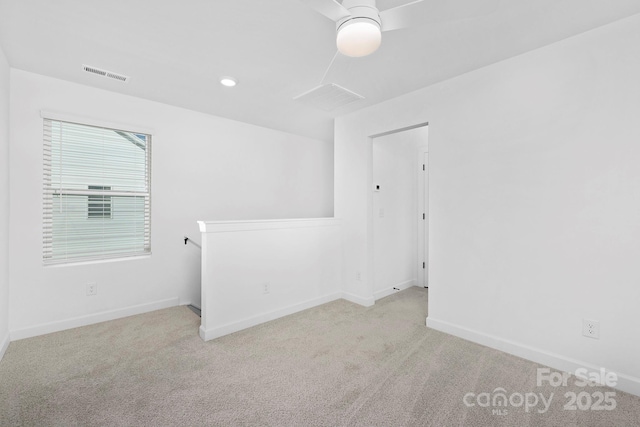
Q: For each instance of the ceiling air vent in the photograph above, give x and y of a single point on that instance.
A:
(105, 73)
(328, 97)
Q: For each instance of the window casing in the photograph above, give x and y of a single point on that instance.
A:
(97, 193)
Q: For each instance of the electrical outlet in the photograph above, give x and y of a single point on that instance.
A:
(266, 288)
(92, 289)
(591, 328)
(358, 276)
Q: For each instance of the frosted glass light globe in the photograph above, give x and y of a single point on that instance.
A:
(359, 37)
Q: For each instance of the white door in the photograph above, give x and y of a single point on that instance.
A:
(423, 218)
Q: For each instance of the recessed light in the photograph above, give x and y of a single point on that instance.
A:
(228, 81)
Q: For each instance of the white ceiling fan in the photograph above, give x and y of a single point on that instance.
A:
(359, 23)
(359, 27)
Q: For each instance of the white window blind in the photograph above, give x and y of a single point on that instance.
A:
(96, 192)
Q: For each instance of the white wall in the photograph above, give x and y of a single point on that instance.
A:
(4, 203)
(534, 200)
(203, 167)
(299, 260)
(395, 210)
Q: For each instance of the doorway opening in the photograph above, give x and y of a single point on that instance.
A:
(400, 209)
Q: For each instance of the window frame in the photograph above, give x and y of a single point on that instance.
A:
(49, 191)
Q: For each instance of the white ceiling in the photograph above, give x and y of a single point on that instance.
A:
(175, 51)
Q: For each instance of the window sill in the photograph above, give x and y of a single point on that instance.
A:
(97, 261)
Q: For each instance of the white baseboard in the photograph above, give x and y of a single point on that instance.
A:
(399, 286)
(4, 344)
(75, 322)
(229, 328)
(365, 302)
(626, 383)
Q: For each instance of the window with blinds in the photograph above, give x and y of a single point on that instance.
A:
(97, 197)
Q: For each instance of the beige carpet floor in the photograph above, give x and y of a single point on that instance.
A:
(338, 364)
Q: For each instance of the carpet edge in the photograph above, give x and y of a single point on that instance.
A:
(626, 383)
(90, 319)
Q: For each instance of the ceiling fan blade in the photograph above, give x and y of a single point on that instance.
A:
(339, 67)
(422, 12)
(329, 8)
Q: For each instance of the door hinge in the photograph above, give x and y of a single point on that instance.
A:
(423, 167)
(424, 216)
(424, 265)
